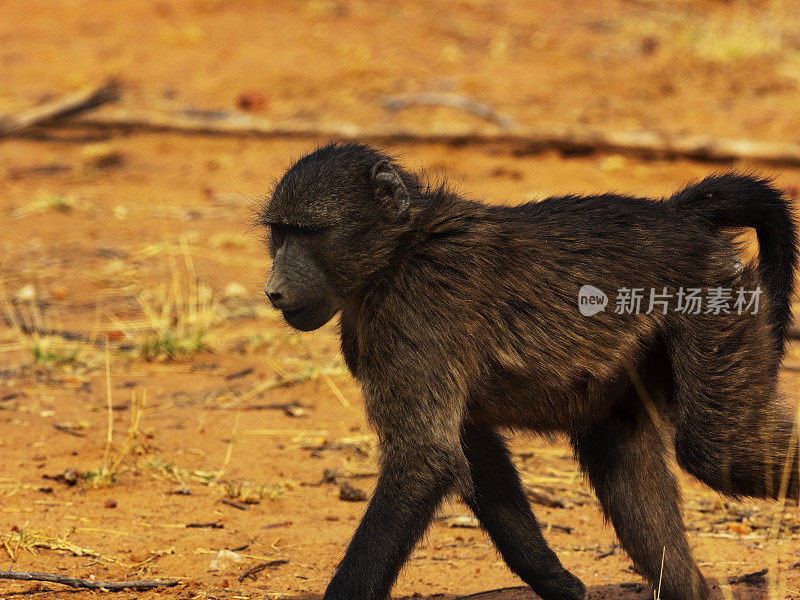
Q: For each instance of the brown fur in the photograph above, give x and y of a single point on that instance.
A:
(460, 318)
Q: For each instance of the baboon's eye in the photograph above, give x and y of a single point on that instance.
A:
(280, 231)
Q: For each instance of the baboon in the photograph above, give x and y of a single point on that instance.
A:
(461, 321)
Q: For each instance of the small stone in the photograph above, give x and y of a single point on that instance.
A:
(59, 292)
(70, 476)
(235, 290)
(330, 475)
(26, 294)
(251, 100)
(223, 558)
(350, 494)
(114, 335)
(102, 156)
(466, 521)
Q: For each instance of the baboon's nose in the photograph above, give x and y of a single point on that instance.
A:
(274, 297)
(274, 294)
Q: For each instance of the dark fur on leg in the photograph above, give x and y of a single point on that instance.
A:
(740, 448)
(624, 457)
(502, 508)
(400, 510)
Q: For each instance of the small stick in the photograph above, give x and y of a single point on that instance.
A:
(608, 553)
(70, 104)
(545, 498)
(68, 430)
(212, 525)
(238, 374)
(564, 528)
(233, 504)
(400, 102)
(478, 594)
(631, 585)
(755, 578)
(253, 571)
(111, 586)
(53, 168)
(284, 406)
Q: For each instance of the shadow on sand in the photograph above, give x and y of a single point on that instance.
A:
(625, 591)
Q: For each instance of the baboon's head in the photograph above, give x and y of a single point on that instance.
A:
(334, 219)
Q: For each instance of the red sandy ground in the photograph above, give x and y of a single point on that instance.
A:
(611, 64)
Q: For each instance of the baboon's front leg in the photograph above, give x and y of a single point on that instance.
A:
(413, 481)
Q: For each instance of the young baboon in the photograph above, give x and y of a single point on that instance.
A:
(461, 319)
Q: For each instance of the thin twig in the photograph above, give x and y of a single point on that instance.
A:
(545, 498)
(253, 571)
(70, 104)
(610, 552)
(484, 111)
(505, 589)
(756, 578)
(211, 525)
(564, 528)
(68, 430)
(111, 586)
(238, 374)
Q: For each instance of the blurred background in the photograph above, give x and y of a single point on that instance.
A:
(724, 68)
(158, 420)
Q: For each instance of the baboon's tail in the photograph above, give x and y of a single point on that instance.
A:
(733, 200)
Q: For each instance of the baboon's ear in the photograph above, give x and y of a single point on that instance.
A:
(389, 187)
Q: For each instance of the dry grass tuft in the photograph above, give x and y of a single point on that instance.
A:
(29, 330)
(30, 540)
(46, 202)
(112, 464)
(178, 315)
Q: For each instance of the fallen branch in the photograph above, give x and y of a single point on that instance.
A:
(70, 104)
(566, 139)
(110, 586)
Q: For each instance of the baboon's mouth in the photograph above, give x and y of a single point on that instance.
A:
(295, 311)
(308, 316)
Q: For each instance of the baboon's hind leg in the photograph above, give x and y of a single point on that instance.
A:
(500, 504)
(624, 460)
(733, 432)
